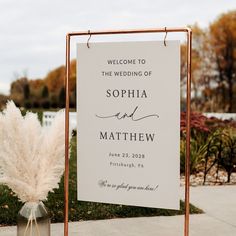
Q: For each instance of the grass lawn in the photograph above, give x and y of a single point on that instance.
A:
(78, 211)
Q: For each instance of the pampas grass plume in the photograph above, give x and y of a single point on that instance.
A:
(31, 156)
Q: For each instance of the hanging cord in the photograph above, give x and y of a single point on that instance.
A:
(28, 223)
(29, 226)
(36, 224)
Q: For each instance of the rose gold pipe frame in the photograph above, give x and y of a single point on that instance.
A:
(186, 30)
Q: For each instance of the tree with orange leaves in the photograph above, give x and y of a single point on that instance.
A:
(223, 43)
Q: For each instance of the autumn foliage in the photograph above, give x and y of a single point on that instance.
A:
(213, 65)
(47, 92)
(198, 122)
(213, 73)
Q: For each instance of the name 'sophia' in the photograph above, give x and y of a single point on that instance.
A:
(123, 93)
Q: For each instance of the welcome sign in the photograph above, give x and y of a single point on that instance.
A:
(128, 104)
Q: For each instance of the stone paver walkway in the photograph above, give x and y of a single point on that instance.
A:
(218, 202)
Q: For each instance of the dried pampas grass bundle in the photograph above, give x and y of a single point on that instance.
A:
(31, 157)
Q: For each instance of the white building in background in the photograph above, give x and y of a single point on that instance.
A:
(48, 117)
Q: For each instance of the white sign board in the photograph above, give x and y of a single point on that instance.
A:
(128, 104)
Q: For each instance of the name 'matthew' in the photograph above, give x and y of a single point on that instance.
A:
(126, 136)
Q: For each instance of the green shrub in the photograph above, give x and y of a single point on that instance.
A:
(197, 151)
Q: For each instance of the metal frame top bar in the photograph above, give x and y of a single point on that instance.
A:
(188, 100)
(130, 31)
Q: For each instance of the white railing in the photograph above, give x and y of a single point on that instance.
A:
(222, 116)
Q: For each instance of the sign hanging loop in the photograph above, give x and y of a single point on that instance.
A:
(165, 37)
(88, 39)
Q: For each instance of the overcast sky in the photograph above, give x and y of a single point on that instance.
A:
(32, 33)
